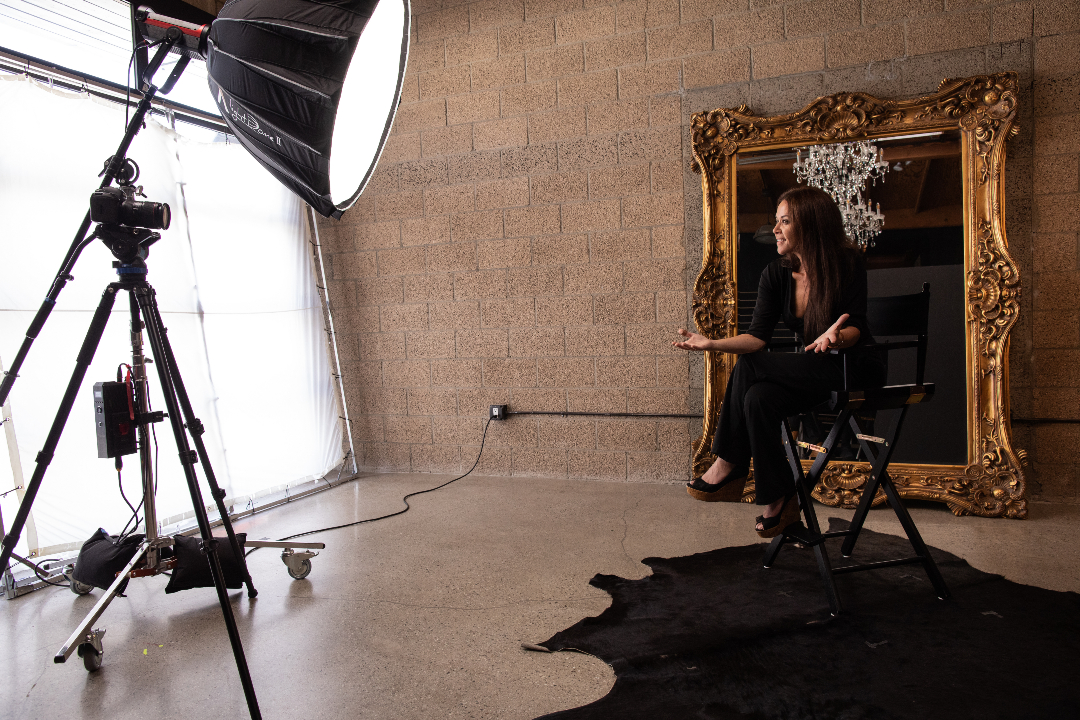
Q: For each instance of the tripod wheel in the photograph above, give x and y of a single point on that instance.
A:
(80, 588)
(91, 658)
(303, 571)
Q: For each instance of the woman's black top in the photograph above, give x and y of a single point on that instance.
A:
(775, 303)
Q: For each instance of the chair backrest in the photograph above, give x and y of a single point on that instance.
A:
(902, 315)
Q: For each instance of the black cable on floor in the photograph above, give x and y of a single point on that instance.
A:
(41, 574)
(404, 500)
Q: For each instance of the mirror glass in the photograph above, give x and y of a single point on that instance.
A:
(921, 198)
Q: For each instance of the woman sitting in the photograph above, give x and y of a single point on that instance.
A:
(818, 288)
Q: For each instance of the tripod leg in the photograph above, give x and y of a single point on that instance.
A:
(145, 295)
(86, 355)
(195, 427)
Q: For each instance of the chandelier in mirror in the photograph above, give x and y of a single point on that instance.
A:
(842, 170)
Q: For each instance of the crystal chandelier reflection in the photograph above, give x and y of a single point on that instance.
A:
(842, 170)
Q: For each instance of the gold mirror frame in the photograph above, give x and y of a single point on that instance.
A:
(984, 109)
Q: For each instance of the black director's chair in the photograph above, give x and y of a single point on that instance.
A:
(900, 315)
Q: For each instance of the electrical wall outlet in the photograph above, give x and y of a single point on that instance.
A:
(497, 412)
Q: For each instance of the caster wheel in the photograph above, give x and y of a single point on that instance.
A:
(91, 658)
(80, 588)
(303, 572)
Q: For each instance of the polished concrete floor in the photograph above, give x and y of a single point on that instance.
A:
(423, 615)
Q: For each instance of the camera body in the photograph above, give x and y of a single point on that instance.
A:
(118, 206)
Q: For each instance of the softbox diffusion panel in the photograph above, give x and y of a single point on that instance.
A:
(311, 88)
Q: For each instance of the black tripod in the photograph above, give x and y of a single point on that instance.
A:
(130, 246)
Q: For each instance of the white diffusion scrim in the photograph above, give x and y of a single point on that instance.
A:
(367, 101)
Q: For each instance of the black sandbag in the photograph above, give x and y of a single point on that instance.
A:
(193, 568)
(103, 556)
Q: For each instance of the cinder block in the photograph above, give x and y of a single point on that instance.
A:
(620, 245)
(593, 278)
(679, 40)
(666, 177)
(676, 435)
(408, 428)
(671, 307)
(624, 308)
(645, 339)
(760, 26)
(644, 14)
(619, 180)
(441, 83)
(533, 158)
(382, 346)
(510, 372)
(538, 463)
(442, 23)
(1056, 213)
(1056, 329)
(452, 257)
(379, 290)
(658, 467)
(403, 317)
(559, 187)
(500, 133)
(1054, 174)
(564, 372)
(626, 434)
(1053, 17)
(452, 199)
(532, 220)
(454, 314)
(591, 215)
(367, 428)
(608, 118)
(508, 192)
(465, 49)
(400, 205)
(457, 430)
(377, 235)
(474, 166)
(590, 465)
(401, 146)
(421, 174)
(588, 88)
(481, 284)
(568, 432)
(379, 401)
(1056, 56)
(427, 56)
(426, 458)
(665, 110)
(882, 11)
(446, 141)
(564, 311)
(1057, 135)
(554, 125)
(1056, 95)
(717, 68)
(482, 343)
(1058, 403)
(530, 35)
(864, 46)
(655, 78)
(535, 342)
(658, 400)
(457, 373)
(495, 13)
(638, 371)
(652, 275)
(652, 210)
(503, 253)
(401, 261)
(433, 287)
(547, 8)
(508, 312)
(418, 116)
(1013, 22)
(555, 62)
(588, 152)
(788, 58)
(615, 52)
(535, 281)
(528, 99)
(537, 399)
(672, 370)
(425, 231)
(429, 343)
(652, 144)
(493, 74)
(605, 400)
(1054, 252)
(473, 107)
(470, 227)
(586, 25)
(948, 32)
(432, 401)
(821, 16)
(386, 457)
(1055, 368)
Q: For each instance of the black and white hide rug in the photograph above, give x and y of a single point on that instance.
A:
(715, 635)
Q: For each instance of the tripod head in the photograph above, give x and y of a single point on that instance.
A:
(127, 225)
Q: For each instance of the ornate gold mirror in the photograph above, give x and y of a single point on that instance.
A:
(941, 199)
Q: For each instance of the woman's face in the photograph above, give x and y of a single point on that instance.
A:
(784, 230)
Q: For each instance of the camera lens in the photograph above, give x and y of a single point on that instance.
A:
(150, 215)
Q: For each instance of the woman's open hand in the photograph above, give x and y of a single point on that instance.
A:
(830, 338)
(693, 341)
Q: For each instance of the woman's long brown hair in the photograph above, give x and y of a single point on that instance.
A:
(826, 253)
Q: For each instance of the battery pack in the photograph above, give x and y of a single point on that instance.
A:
(116, 434)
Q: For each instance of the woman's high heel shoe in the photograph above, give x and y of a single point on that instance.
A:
(788, 515)
(730, 489)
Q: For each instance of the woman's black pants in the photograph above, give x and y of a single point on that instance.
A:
(764, 389)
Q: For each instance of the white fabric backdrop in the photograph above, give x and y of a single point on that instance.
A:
(235, 286)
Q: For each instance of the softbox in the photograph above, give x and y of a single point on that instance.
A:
(311, 88)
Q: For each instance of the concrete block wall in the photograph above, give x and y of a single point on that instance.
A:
(534, 230)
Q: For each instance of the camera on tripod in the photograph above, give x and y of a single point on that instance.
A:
(118, 206)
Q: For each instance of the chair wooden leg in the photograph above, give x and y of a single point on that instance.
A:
(914, 537)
